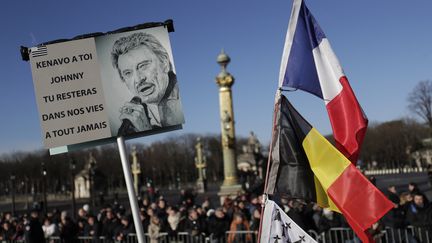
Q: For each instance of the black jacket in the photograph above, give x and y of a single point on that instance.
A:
(218, 226)
(34, 232)
(420, 216)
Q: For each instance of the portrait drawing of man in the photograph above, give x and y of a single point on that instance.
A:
(144, 67)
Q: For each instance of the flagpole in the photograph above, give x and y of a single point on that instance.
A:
(278, 93)
(130, 189)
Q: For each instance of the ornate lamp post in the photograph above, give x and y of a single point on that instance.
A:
(225, 80)
(44, 175)
(72, 167)
(33, 191)
(136, 169)
(92, 173)
(26, 191)
(200, 163)
(12, 179)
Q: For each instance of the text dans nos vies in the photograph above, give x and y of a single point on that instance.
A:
(72, 112)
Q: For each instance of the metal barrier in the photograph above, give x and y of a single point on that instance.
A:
(338, 235)
(181, 237)
(241, 236)
(405, 235)
(184, 237)
(334, 235)
(410, 235)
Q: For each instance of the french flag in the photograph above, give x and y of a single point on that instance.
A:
(309, 64)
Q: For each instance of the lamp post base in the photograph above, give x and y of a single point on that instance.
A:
(201, 186)
(229, 191)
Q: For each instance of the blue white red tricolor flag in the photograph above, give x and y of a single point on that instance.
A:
(309, 64)
(277, 227)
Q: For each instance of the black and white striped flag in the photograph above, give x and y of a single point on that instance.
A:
(39, 51)
(277, 227)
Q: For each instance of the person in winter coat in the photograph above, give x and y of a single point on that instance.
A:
(154, 229)
(173, 221)
(194, 225)
(328, 220)
(125, 229)
(93, 228)
(7, 232)
(49, 228)
(109, 225)
(33, 229)
(239, 223)
(218, 224)
(255, 222)
(419, 215)
(68, 229)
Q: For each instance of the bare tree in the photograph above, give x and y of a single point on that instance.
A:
(387, 142)
(420, 101)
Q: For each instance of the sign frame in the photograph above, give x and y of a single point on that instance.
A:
(71, 146)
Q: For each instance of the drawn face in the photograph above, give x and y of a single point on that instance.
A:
(144, 74)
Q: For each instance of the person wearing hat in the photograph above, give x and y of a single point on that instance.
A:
(218, 224)
(86, 208)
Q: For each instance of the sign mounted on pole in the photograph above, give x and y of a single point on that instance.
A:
(97, 87)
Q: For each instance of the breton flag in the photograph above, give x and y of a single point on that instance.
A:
(279, 228)
(309, 64)
(305, 165)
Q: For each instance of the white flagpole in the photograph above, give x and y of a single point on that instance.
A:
(130, 189)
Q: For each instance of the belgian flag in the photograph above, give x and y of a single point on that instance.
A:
(305, 165)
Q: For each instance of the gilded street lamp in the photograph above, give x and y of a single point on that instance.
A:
(26, 191)
(72, 170)
(44, 174)
(12, 179)
(92, 173)
(136, 169)
(225, 81)
(200, 163)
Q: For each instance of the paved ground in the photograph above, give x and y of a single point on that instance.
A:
(172, 196)
(401, 182)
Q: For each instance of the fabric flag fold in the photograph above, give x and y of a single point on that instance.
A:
(338, 184)
(279, 228)
(290, 171)
(309, 64)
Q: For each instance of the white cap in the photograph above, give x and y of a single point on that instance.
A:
(86, 207)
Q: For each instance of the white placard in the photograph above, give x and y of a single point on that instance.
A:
(102, 87)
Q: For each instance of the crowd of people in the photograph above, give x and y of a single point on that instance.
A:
(158, 217)
(411, 208)
(200, 219)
